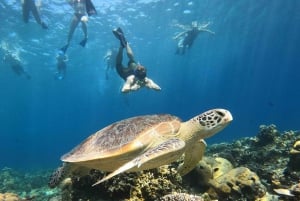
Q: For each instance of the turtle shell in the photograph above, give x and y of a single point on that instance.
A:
(123, 140)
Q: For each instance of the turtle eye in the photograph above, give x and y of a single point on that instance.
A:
(220, 113)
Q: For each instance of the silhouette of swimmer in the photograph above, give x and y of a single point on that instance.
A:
(187, 37)
(61, 66)
(30, 6)
(15, 64)
(81, 8)
(110, 60)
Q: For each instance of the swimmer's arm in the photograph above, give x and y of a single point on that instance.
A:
(129, 82)
(179, 35)
(152, 85)
(184, 27)
(209, 31)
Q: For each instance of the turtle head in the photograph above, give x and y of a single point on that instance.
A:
(212, 121)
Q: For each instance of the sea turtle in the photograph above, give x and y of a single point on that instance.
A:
(144, 142)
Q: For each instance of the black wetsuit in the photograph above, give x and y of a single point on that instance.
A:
(123, 71)
(190, 37)
(90, 9)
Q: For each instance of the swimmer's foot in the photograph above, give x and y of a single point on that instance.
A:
(44, 25)
(83, 42)
(120, 35)
(64, 48)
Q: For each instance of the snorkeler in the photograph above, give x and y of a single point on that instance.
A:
(30, 6)
(81, 7)
(110, 60)
(16, 65)
(61, 66)
(188, 36)
(135, 75)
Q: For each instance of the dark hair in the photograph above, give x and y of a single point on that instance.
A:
(140, 72)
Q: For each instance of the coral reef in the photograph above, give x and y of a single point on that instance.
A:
(27, 186)
(294, 161)
(9, 197)
(221, 181)
(260, 168)
(237, 183)
(269, 159)
(181, 197)
(147, 185)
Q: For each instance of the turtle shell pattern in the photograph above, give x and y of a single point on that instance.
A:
(109, 141)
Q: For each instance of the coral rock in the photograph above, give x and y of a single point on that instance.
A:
(294, 160)
(237, 183)
(181, 197)
(9, 197)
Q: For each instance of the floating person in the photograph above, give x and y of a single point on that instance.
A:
(61, 65)
(81, 8)
(14, 61)
(188, 36)
(110, 60)
(30, 6)
(135, 75)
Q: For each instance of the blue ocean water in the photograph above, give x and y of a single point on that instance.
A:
(251, 66)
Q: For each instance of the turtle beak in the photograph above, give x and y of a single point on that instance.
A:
(227, 116)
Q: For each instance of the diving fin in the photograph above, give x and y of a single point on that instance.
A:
(44, 25)
(64, 48)
(90, 8)
(120, 35)
(83, 42)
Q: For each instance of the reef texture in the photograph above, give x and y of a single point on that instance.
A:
(9, 197)
(261, 168)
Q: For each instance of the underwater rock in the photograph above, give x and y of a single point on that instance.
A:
(294, 160)
(9, 179)
(220, 167)
(181, 197)
(268, 197)
(292, 193)
(154, 184)
(238, 183)
(9, 197)
(207, 169)
(267, 135)
(200, 175)
(147, 185)
(296, 148)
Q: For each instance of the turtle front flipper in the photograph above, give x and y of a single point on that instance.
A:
(165, 153)
(191, 157)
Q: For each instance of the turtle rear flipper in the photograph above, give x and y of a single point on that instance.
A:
(162, 154)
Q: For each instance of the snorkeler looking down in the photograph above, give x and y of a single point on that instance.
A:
(15, 63)
(61, 59)
(110, 60)
(135, 75)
